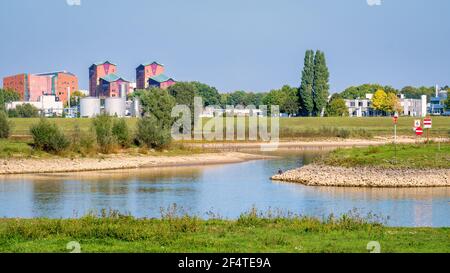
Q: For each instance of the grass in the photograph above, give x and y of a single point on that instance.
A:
(252, 232)
(422, 156)
(289, 127)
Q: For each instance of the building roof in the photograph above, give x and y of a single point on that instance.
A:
(113, 78)
(161, 78)
(105, 62)
(150, 63)
(55, 73)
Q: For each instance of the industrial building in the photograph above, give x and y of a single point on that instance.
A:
(437, 103)
(31, 87)
(152, 75)
(47, 105)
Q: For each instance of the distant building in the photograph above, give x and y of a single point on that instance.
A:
(96, 72)
(437, 103)
(363, 107)
(360, 107)
(145, 71)
(62, 81)
(110, 86)
(161, 81)
(152, 75)
(31, 87)
(48, 105)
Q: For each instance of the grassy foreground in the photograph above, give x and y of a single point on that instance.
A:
(420, 156)
(250, 233)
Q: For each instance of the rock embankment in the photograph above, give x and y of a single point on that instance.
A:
(324, 175)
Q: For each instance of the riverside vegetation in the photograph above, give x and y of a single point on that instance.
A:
(253, 231)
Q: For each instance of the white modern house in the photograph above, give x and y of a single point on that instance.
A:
(410, 107)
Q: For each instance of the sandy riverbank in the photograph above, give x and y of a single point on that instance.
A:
(323, 175)
(113, 162)
(307, 143)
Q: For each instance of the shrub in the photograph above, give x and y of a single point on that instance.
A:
(27, 111)
(83, 142)
(102, 126)
(121, 132)
(5, 125)
(152, 133)
(48, 137)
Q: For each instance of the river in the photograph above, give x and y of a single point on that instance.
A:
(225, 190)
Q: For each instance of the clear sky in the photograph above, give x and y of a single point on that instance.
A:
(253, 45)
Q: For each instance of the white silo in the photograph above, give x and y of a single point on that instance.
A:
(89, 107)
(136, 108)
(115, 107)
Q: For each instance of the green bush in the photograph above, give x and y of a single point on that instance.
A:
(121, 132)
(83, 143)
(5, 125)
(27, 111)
(152, 133)
(102, 126)
(48, 137)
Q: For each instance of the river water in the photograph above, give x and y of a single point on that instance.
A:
(225, 190)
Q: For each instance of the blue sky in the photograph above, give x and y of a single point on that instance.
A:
(253, 45)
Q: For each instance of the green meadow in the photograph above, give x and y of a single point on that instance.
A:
(249, 233)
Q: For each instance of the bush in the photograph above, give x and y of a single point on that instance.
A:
(27, 111)
(121, 132)
(5, 125)
(102, 126)
(48, 137)
(152, 133)
(83, 143)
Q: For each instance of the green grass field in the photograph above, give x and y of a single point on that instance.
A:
(424, 156)
(289, 127)
(187, 234)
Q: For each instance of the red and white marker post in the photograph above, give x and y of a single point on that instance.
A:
(395, 119)
(427, 124)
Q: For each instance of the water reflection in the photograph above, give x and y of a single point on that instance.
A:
(225, 189)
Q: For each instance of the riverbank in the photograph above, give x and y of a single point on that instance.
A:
(118, 161)
(248, 234)
(424, 165)
(305, 143)
(323, 175)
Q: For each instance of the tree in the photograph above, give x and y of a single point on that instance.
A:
(358, 92)
(286, 98)
(7, 96)
(392, 103)
(411, 92)
(336, 107)
(157, 102)
(320, 89)
(447, 103)
(379, 100)
(209, 94)
(75, 98)
(306, 87)
(5, 125)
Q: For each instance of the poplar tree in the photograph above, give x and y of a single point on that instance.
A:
(306, 87)
(320, 89)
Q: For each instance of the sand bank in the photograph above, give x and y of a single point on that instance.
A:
(113, 162)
